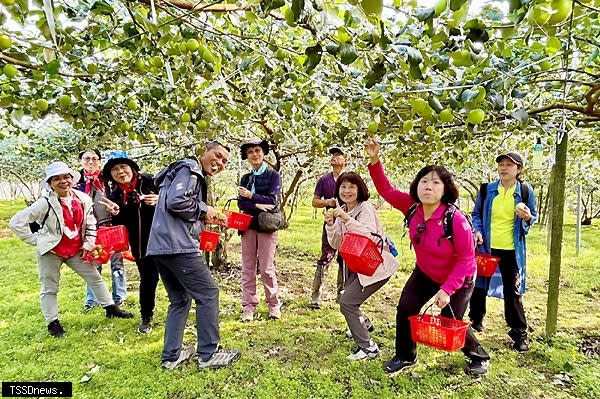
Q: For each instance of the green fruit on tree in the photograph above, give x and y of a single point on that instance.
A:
(7, 2)
(475, 116)
(64, 100)
(183, 48)
(92, 69)
(10, 71)
(157, 61)
(189, 102)
(202, 124)
(207, 55)
(192, 45)
(545, 65)
(462, 58)
(562, 9)
(41, 105)
(2, 135)
(140, 65)
(186, 117)
(5, 42)
(377, 99)
(419, 105)
(539, 14)
(430, 130)
(446, 115)
(125, 126)
(372, 7)
(373, 127)
(132, 104)
(408, 124)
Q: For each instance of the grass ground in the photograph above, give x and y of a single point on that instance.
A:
(303, 354)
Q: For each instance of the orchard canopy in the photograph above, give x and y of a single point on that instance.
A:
(448, 81)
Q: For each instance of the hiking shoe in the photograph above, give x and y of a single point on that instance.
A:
(247, 315)
(145, 326)
(116, 312)
(396, 364)
(369, 326)
(88, 307)
(184, 355)
(365, 353)
(275, 314)
(477, 326)
(478, 366)
(220, 358)
(521, 345)
(55, 329)
(314, 305)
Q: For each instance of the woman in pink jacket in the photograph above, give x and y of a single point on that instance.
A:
(445, 266)
(356, 215)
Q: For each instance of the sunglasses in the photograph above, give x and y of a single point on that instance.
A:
(420, 230)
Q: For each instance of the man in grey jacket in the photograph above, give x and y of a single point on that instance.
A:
(178, 220)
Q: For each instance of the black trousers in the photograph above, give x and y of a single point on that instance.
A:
(514, 313)
(148, 283)
(419, 289)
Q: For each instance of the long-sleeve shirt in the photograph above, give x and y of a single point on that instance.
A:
(447, 262)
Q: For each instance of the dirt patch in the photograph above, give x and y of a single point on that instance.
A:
(4, 233)
(590, 346)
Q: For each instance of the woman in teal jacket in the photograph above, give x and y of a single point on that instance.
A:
(501, 219)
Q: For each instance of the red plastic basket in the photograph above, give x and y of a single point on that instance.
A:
(209, 240)
(486, 264)
(360, 254)
(438, 332)
(113, 238)
(103, 257)
(236, 220)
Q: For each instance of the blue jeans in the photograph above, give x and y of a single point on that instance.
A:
(186, 277)
(119, 284)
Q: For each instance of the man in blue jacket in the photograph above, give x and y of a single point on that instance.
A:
(178, 220)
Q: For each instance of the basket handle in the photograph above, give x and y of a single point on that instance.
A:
(431, 307)
(228, 202)
(380, 242)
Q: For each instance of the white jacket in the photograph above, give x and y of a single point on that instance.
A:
(364, 221)
(51, 232)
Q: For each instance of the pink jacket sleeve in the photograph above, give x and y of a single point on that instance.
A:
(465, 254)
(396, 198)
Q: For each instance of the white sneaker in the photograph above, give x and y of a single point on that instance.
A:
(221, 358)
(365, 353)
(247, 315)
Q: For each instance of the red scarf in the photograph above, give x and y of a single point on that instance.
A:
(69, 247)
(93, 180)
(127, 189)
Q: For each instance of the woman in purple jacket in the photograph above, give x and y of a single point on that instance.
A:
(259, 191)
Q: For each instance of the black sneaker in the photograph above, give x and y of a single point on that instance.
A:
(521, 345)
(55, 329)
(396, 364)
(116, 312)
(145, 326)
(477, 326)
(478, 366)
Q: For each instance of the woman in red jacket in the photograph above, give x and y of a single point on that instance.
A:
(445, 265)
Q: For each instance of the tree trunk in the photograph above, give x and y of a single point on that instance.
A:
(549, 206)
(540, 200)
(558, 208)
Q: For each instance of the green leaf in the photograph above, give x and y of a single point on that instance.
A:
(435, 104)
(469, 95)
(297, 8)
(347, 53)
(414, 56)
(455, 5)
(375, 74)
(268, 5)
(101, 7)
(372, 7)
(52, 67)
(313, 58)
(520, 114)
(423, 13)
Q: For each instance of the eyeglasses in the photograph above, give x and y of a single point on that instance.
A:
(88, 159)
(420, 230)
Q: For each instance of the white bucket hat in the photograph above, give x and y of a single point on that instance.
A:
(60, 168)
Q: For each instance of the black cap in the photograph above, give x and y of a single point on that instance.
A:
(254, 141)
(515, 158)
(336, 148)
(116, 161)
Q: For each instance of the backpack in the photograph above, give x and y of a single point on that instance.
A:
(446, 221)
(35, 226)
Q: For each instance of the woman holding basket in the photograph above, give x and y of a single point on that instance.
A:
(445, 263)
(358, 216)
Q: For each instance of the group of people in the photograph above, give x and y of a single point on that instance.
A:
(165, 215)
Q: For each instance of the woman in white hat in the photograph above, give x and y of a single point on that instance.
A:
(67, 233)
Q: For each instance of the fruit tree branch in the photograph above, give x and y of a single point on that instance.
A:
(188, 5)
(24, 64)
